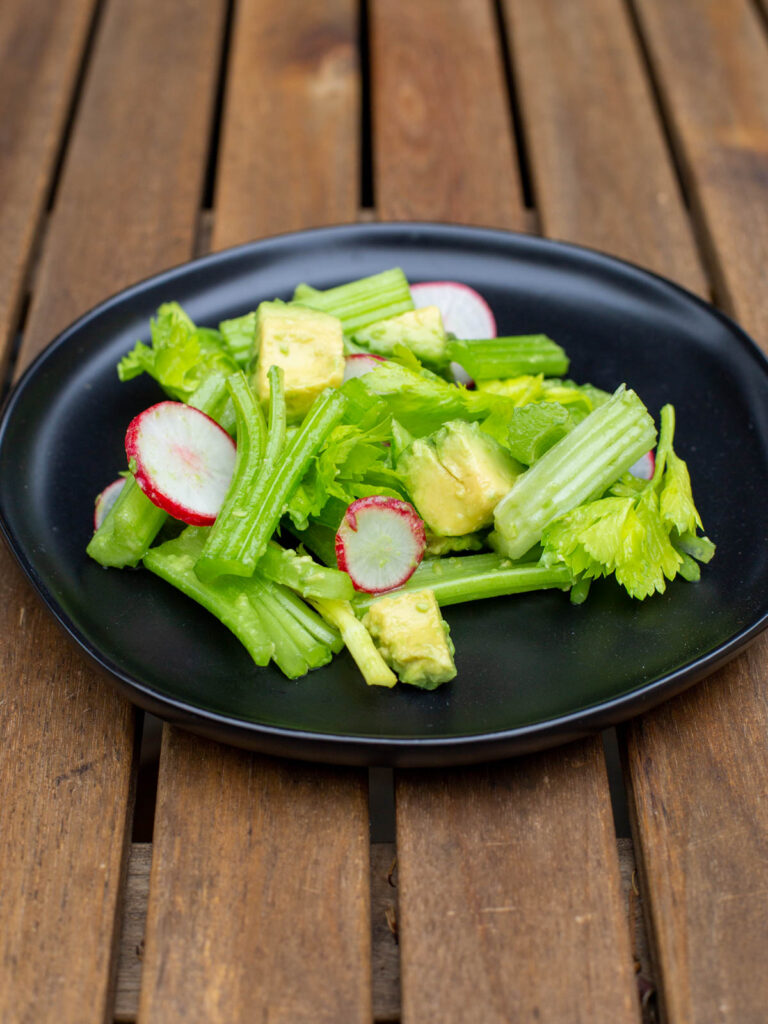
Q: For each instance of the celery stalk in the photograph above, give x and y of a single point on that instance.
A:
(362, 302)
(472, 577)
(358, 640)
(304, 575)
(578, 468)
(509, 357)
(238, 541)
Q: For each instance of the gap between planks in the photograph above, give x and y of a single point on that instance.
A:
(385, 952)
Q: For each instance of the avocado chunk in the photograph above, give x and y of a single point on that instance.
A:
(309, 347)
(412, 637)
(456, 477)
(420, 330)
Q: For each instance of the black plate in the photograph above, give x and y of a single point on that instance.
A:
(533, 670)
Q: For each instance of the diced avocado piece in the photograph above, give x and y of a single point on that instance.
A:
(437, 545)
(420, 330)
(412, 637)
(456, 477)
(309, 347)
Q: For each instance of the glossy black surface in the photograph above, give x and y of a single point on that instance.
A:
(533, 670)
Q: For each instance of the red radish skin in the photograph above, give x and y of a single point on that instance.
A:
(182, 460)
(359, 363)
(465, 312)
(380, 543)
(645, 466)
(105, 500)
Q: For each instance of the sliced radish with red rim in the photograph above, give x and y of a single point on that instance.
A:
(359, 363)
(106, 500)
(380, 543)
(644, 468)
(182, 460)
(465, 312)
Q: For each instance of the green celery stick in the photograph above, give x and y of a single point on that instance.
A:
(128, 529)
(303, 574)
(578, 468)
(226, 598)
(509, 357)
(358, 641)
(318, 538)
(472, 577)
(363, 302)
(237, 543)
(312, 651)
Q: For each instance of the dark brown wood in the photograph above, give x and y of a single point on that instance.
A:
(126, 206)
(509, 889)
(697, 767)
(290, 144)
(131, 949)
(600, 167)
(279, 851)
(441, 120)
(39, 61)
(256, 908)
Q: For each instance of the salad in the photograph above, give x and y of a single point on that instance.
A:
(333, 471)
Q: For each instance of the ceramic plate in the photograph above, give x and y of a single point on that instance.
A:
(533, 670)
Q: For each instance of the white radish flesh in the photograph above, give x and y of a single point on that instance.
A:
(380, 543)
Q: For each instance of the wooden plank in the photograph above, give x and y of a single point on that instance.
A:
(125, 206)
(711, 62)
(292, 117)
(485, 854)
(442, 127)
(39, 61)
(600, 167)
(509, 888)
(259, 903)
(697, 766)
(280, 850)
(131, 949)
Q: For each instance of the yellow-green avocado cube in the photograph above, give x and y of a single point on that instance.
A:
(420, 330)
(307, 344)
(456, 477)
(412, 637)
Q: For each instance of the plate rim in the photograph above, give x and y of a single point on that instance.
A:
(365, 749)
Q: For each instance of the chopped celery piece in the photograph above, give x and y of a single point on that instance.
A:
(358, 640)
(579, 468)
(509, 357)
(128, 529)
(362, 302)
(472, 577)
(304, 575)
(239, 540)
(225, 598)
(318, 538)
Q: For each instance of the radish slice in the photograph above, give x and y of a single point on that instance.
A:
(380, 543)
(465, 312)
(106, 500)
(182, 460)
(644, 467)
(359, 363)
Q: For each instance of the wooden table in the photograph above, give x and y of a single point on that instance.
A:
(135, 134)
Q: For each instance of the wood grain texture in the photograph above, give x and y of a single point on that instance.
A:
(698, 767)
(596, 151)
(132, 178)
(257, 911)
(134, 921)
(442, 140)
(710, 58)
(39, 60)
(125, 207)
(290, 144)
(274, 854)
(509, 893)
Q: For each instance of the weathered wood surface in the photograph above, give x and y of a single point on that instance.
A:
(39, 62)
(124, 208)
(697, 767)
(442, 129)
(260, 888)
(290, 141)
(259, 892)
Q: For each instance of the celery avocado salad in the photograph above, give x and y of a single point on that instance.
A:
(332, 471)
